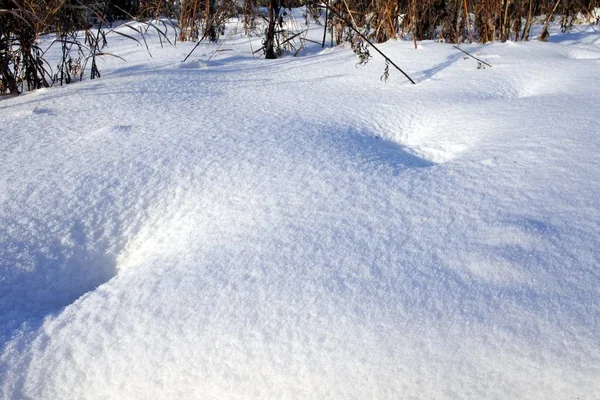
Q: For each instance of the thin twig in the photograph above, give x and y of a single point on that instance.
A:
(472, 56)
(294, 36)
(352, 26)
(194, 49)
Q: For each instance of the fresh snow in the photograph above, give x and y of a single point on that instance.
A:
(236, 228)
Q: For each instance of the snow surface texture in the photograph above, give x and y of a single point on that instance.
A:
(244, 229)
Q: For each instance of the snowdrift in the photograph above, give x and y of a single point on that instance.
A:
(237, 228)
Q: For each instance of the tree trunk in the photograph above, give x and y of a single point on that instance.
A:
(544, 35)
(505, 22)
(270, 53)
(468, 29)
(326, 22)
(210, 30)
(527, 27)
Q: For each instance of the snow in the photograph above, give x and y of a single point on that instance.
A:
(238, 228)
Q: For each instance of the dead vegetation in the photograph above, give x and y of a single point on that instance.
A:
(81, 27)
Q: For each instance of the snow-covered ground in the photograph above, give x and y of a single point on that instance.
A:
(248, 229)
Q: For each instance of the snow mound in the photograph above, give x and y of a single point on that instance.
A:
(240, 229)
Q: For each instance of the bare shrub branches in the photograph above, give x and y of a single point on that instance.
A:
(23, 65)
